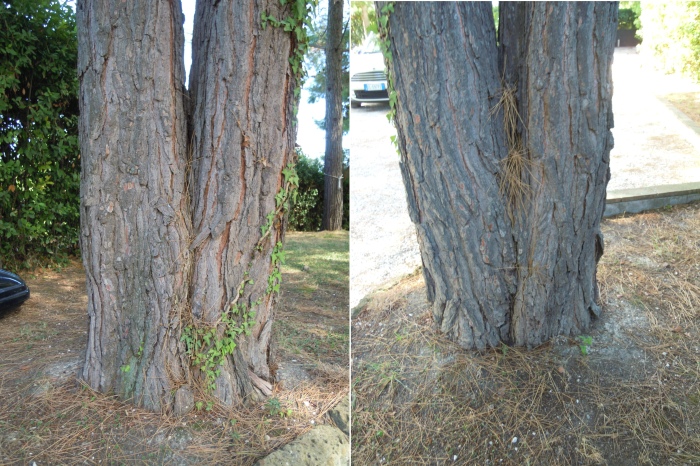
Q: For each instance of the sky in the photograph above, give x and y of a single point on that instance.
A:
(310, 137)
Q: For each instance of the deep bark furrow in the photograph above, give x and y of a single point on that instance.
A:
(549, 76)
(452, 154)
(250, 112)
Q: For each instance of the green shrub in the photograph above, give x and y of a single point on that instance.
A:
(671, 32)
(625, 19)
(307, 213)
(39, 160)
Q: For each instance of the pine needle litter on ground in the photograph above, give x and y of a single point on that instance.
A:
(628, 393)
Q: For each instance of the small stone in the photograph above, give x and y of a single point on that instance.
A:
(515, 440)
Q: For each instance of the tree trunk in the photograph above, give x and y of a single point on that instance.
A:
(364, 13)
(242, 137)
(134, 239)
(505, 166)
(180, 228)
(333, 161)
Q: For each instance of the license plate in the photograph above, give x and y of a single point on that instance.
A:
(375, 87)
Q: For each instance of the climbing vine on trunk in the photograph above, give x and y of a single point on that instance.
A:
(185, 192)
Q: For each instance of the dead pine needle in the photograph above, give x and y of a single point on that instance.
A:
(516, 169)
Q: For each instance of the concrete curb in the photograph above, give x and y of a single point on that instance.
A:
(682, 117)
(633, 201)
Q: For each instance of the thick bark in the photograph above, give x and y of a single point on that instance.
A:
(242, 138)
(564, 95)
(134, 241)
(333, 161)
(171, 222)
(509, 249)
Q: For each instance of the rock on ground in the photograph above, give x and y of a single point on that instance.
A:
(341, 415)
(321, 446)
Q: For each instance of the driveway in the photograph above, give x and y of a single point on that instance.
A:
(652, 147)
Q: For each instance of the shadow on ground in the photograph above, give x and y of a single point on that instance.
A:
(49, 417)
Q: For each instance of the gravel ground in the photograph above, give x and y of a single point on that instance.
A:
(652, 147)
(383, 243)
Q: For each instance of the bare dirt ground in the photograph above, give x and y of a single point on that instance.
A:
(652, 147)
(626, 393)
(50, 417)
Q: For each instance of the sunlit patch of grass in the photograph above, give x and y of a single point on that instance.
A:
(321, 256)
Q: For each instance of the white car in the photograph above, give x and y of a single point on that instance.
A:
(368, 80)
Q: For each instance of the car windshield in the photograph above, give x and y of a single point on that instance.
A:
(371, 44)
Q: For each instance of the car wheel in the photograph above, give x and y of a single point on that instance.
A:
(355, 104)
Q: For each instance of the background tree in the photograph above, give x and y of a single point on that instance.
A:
(39, 158)
(363, 20)
(183, 194)
(505, 158)
(333, 160)
(316, 59)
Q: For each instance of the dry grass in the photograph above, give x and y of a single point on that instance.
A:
(632, 400)
(49, 417)
(688, 103)
(70, 424)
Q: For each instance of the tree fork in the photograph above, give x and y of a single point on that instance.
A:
(172, 223)
(498, 271)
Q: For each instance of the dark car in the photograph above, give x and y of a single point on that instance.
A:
(13, 290)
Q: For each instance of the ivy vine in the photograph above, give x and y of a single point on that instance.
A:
(385, 45)
(208, 345)
(298, 23)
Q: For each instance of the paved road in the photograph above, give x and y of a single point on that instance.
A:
(652, 147)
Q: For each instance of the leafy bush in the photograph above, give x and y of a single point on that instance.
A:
(307, 213)
(625, 19)
(671, 32)
(39, 158)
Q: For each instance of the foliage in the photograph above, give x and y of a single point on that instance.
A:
(671, 32)
(624, 22)
(306, 214)
(385, 44)
(626, 18)
(40, 161)
(316, 60)
(363, 20)
(299, 23)
(274, 408)
(496, 15)
(585, 345)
